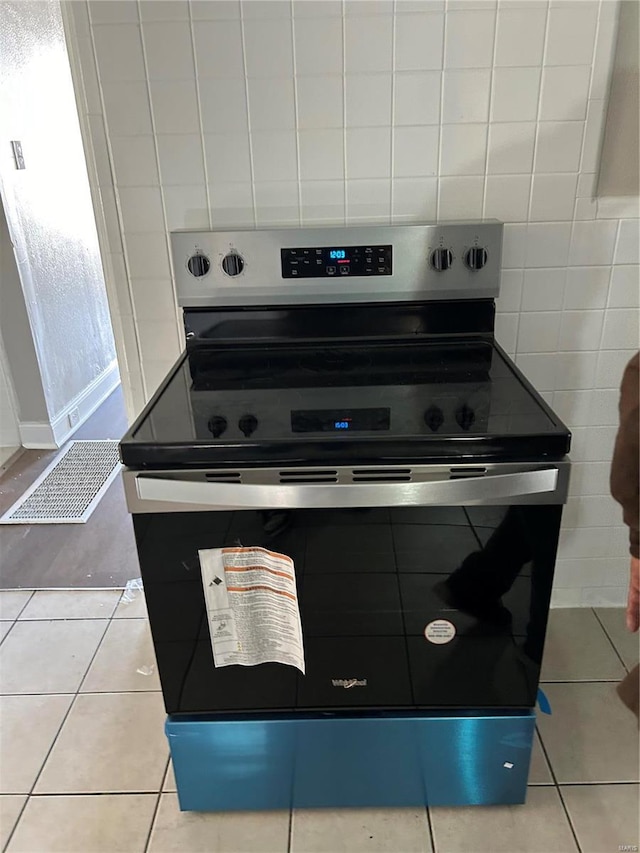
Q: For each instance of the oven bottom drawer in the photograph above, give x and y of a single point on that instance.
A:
(366, 761)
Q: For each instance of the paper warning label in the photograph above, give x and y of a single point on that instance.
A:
(252, 607)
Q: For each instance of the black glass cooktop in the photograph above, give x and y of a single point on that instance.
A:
(358, 402)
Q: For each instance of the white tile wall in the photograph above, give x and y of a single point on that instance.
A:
(175, 106)
(564, 92)
(520, 38)
(368, 99)
(558, 146)
(368, 152)
(168, 49)
(319, 102)
(322, 201)
(465, 96)
(515, 94)
(227, 157)
(368, 43)
(415, 151)
(321, 154)
(231, 114)
(414, 199)
(552, 197)
(226, 98)
(543, 290)
(271, 107)
(461, 198)
(469, 40)
(218, 50)
(419, 42)
(572, 29)
(463, 149)
(511, 147)
(417, 97)
(369, 200)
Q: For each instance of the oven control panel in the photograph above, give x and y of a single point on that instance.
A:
(328, 262)
(359, 263)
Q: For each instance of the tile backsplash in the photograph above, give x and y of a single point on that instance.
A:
(218, 113)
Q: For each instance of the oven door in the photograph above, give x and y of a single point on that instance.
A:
(425, 593)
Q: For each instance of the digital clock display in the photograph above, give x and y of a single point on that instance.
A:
(340, 420)
(332, 262)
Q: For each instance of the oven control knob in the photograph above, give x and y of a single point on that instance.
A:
(198, 265)
(441, 259)
(465, 416)
(476, 257)
(248, 424)
(233, 264)
(217, 425)
(434, 418)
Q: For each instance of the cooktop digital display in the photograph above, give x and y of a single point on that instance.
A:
(340, 420)
(336, 261)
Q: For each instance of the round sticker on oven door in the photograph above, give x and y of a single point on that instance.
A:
(440, 631)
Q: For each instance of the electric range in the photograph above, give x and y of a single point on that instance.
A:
(342, 401)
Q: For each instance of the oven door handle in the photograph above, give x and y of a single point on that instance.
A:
(519, 486)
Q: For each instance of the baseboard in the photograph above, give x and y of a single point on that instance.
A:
(37, 435)
(51, 436)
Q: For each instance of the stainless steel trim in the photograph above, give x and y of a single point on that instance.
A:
(413, 277)
(430, 485)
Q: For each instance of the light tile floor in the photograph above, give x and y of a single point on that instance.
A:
(84, 764)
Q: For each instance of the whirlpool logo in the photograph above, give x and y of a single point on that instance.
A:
(347, 683)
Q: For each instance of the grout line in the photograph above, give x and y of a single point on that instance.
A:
(18, 819)
(532, 182)
(200, 123)
(568, 816)
(60, 589)
(488, 120)
(126, 793)
(148, 792)
(54, 739)
(613, 645)
(580, 171)
(557, 787)
(290, 832)
(21, 611)
(11, 625)
(104, 633)
(392, 118)
(537, 121)
(588, 102)
(154, 133)
(596, 784)
(606, 308)
(345, 199)
(583, 680)
(78, 619)
(432, 837)
(113, 186)
(157, 807)
(292, 22)
(546, 755)
(439, 175)
(86, 693)
(249, 133)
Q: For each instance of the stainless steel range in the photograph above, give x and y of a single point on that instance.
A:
(342, 405)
